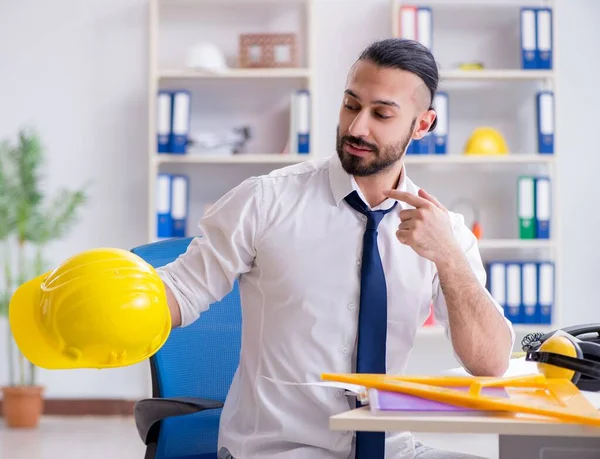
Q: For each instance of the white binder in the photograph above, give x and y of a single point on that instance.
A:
(513, 292)
(529, 279)
(179, 208)
(425, 27)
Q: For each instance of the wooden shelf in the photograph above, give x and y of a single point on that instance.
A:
(520, 158)
(267, 158)
(235, 73)
(231, 2)
(493, 74)
(516, 244)
(276, 158)
(431, 330)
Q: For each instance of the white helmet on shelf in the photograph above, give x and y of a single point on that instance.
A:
(206, 56)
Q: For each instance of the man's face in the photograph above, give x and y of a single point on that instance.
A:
(382, 110)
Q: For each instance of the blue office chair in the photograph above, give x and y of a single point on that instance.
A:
(191, 374)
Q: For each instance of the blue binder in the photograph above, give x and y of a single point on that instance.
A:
(528, 25)
(544, 38)
(163, 206)
(545, 122)
(543, 207)
(496, 282)
(529, 289)
(546, 292)
(179, 204)
(303, 118)
(424, 146)
(164, 102)
(181, 121)
(513, 292)
(440, 133)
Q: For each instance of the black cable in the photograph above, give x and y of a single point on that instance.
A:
(531, 341)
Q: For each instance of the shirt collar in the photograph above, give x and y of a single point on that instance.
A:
(342, 184)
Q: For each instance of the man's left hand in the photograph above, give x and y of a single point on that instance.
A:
(426, 228)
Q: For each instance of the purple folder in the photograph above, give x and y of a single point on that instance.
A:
(381, 400)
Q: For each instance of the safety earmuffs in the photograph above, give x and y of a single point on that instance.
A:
(564, 356)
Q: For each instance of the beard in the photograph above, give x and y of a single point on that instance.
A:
(383, 158)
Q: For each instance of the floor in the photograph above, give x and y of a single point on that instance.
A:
(116, 438)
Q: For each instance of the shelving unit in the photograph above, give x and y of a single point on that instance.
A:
(499, 95)
(231, 97)
(234, 73)
(267, 158)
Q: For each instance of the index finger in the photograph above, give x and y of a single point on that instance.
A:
(408, 198)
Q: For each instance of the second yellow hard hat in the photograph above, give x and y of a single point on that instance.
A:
(101, 308)
(486, 141)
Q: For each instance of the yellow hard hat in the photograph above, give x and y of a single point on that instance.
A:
(486, 141)
(101, 308)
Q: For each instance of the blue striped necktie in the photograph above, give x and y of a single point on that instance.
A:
(372, 319)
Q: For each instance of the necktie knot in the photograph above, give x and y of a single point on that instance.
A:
(374, 217)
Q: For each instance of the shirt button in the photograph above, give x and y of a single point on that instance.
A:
(351, 306)
(358, 262)
(364, 217)
(345, 350)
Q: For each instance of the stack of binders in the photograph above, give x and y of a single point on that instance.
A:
(534, 207)
(173, 111)
(536, 38)
(172, 204)
(524, 289)
(416, 23)
(436, 141)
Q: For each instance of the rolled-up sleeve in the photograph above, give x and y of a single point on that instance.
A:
(224, 249)
(468, 243)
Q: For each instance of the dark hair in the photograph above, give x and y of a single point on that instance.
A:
(405, 54)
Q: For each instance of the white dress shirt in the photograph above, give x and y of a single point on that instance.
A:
(296, 246)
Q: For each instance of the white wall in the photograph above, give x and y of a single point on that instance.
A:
(77, 72)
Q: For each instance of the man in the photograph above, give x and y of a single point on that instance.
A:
(327, 285)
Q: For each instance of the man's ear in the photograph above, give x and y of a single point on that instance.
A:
(424, 123)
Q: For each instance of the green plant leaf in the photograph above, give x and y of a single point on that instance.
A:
(4, 302)
(27, 158)
(55, 221)
(7, 193)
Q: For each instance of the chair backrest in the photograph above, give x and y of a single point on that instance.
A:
(199, 360)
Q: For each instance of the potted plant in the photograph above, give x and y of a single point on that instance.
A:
(28, 222)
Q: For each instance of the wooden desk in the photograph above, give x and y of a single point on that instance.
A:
(519, 436)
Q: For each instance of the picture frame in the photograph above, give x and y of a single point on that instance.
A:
(268, 50)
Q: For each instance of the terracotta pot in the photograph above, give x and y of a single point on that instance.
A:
(22, 406)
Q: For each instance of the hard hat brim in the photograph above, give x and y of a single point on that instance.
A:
(26, 329)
